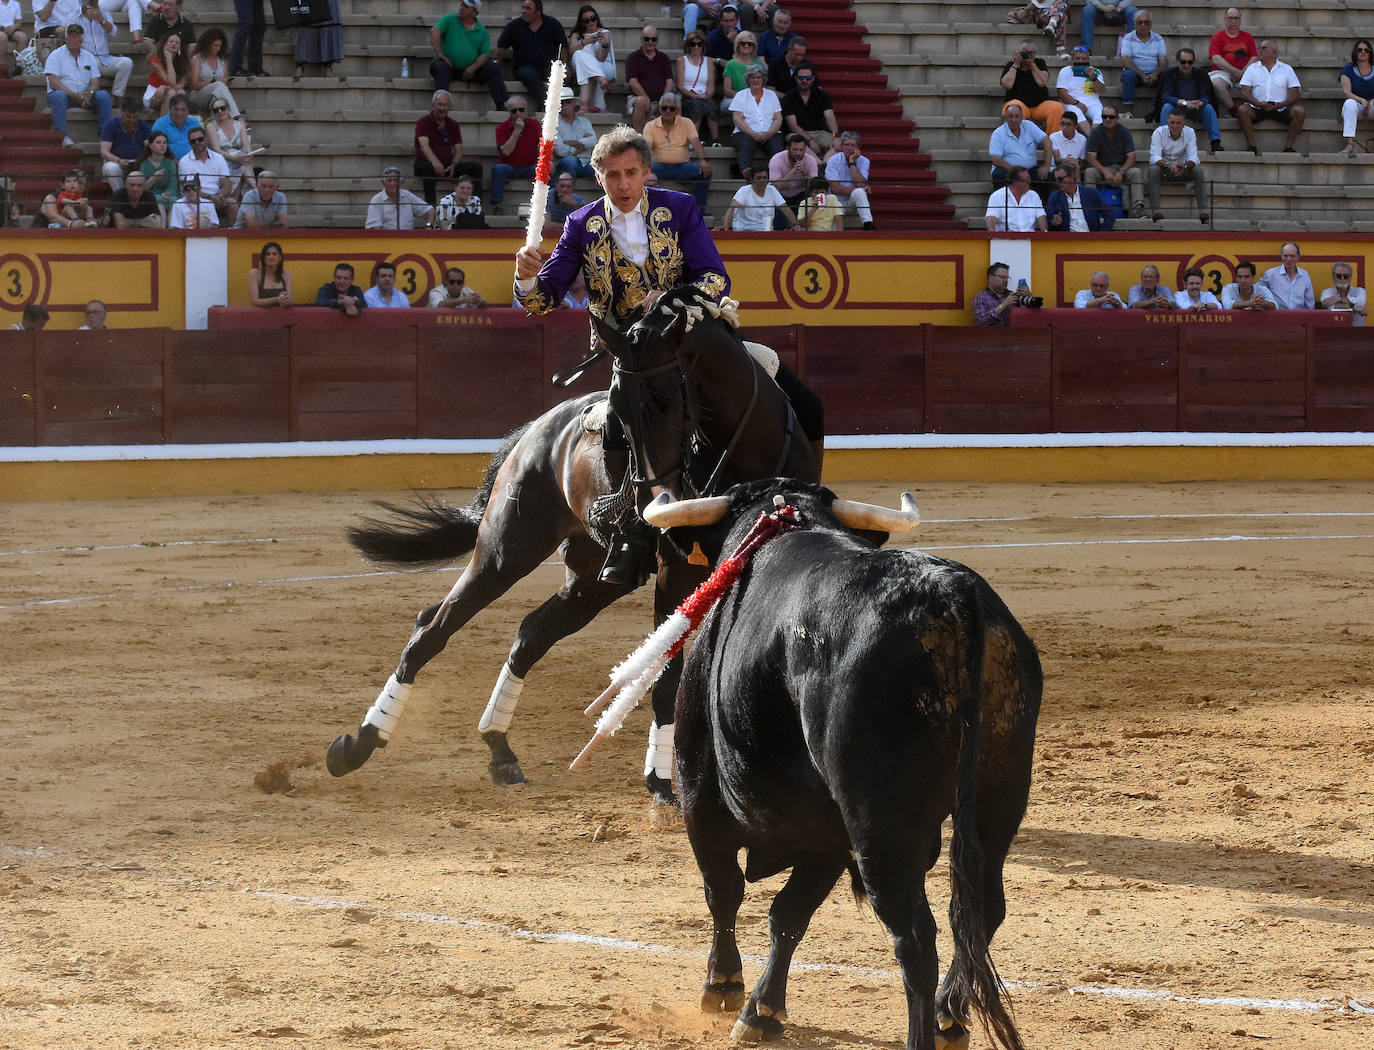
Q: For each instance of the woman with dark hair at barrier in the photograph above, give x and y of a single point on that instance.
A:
(269, 283)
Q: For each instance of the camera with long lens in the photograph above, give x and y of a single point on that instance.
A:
(1032, 302)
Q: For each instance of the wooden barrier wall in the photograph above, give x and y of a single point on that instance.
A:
(155, 386)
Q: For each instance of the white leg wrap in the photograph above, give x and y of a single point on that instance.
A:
(659, 759)
(501, 707)
(390, 705)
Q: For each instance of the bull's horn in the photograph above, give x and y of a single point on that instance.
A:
(879, 519)
(663, 513)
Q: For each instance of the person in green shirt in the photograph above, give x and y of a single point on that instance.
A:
(158, 164)
(462, 51)
(746, 57)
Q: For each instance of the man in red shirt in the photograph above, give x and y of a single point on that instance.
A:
(517, 149)
(1231, 50)
(649, 74)
(439, 148)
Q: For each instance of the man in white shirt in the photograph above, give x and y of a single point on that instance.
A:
(1081, 86)
(1098, 295)
(751, 209)
(1173, 156)
(1243, 293)
(213, 170)
(1270, 91)
(1016, 208)
(394, 207)
(1344, 296)
(847, 172)
(1288, 284)
(383, 295)
(1067, 143)
(190, 212)
(99, 29)
(73, 76)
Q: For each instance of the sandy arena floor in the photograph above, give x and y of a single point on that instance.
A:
(1194, 870)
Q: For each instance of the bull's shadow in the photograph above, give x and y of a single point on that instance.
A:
(1289, 875)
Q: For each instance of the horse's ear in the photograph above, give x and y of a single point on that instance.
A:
(608, 334)
(677, 327)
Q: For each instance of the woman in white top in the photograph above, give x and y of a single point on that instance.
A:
(593, 58)
(230, 137)
(210, 71)
(696, 83)
(12, 38)
(1193, 297)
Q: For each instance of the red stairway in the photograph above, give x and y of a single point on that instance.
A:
(31, 151)
(905, 194)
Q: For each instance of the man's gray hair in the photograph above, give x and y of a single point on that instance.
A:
(441, 92)
(669, 96)
(620, 139)
(851, 136)
(267, 173)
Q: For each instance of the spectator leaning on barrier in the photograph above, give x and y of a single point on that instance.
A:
(1098, 295)
(1192, 297)
(384, 295)
(33, 319)
(1015, 207)
(1288, 284)
(992, 306)
(396, 208)
(1076, 209)
(1343, 296)
(264, 205)
(455, 293)
(133, 205)
(341, 293)
(95, 312)
(1149, 294)
(1243, 293)
(462, 51)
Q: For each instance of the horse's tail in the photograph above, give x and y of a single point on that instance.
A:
(430, 531)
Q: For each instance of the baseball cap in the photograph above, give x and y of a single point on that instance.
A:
(476, 5)
(76, 27)
(390, 170)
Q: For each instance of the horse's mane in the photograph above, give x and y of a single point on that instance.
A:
(685, 299)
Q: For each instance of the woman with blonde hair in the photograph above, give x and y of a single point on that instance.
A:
(746, 56)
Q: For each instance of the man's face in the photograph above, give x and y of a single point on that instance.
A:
(440, 107)
(1175, 124)
(1268, 53)
(386, 278)
(129, 121)
(805, 78)
(1014, 117)
(453, 282)
(782, 22)
(515, 108)
(1068, 126)
(1194, 284)
(622, 177)
(1066, 182)
(528, 11)
(1232, 20)
(95, 316)
(1245, 279)
(759, 182)
(1099, 284)
(197, 140)
(998, 279)
(796, 151)
(729, 22)
(1142, 24)
(179, 111)
(564, 185)
(133, 184)
(266, 189)
(648, 40)
(849, 148)
(1290, 255)
(463, 192)
(34, 324)
(795, 53)
(1149, 279)
(343, 279)
(74, 42)
(1341, 278)
(392, 185)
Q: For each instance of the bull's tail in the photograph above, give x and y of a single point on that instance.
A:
(429, 532)
(973, 980)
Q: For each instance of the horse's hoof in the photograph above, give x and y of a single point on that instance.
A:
(751, 1028)
(504, 768)
(345, 753)
(726, 997)
(660, 790)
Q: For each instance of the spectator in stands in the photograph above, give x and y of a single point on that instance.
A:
(1111, 160)
(1050, 15)
(245, 57)
(792, 171)
(132, 205)
(720, 42)
(384, 295)
(1174, 158)
(121, 142)
(517, 149)
(168, 20)
(1101, 12)
(1271, 91)
(533, 41)
(1243, 293)
(757, 114)
(1144, 58)
(992, 306)
(209, 78)
(455, 293)
(33, 319)
(695, 12)
(847, 172)
(216, 184)
(98, 30)
(269, 283)
(751, 209)
(1188, 90)
(95, 312)
(746, 57)
(264, 206)
(574, 138)
(1076, 209)
(1149, 294)
(12, 36)
(462, 50)
(782, 74)
(190, 212)
(73, 78)
(807, 110)
(756, 14)
(1192, 297)
(1081, 86)
(461, 209)
(673, 143)
(1288, 284)
(230, 137)
(1067, 143)
(395, 208)
(696, 83)
(168, 73)
(1342, 297)
(439, 147)
(342, 293)
(1231, 50)
(563, 200)
(649, 74)
(159, 167)
(1026, 82)
(50, 21)
(1357, 84)
(1098, 295)
(1015, 207)
(320, 44)
(577, 296)
(177, 124)
(593, 58)
(68, 207)
(820, 211)
(774, 41)
(1015, 144)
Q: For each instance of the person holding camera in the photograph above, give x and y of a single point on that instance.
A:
(992, 306)
(1026, 83)
(1098, 295)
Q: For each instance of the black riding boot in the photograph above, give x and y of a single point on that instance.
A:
(629, 556)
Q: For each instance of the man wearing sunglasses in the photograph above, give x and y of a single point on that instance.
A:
(213, 171)
(1188, 90)
(649, 74)
(808, 111)
(517, 149)
(455, 293)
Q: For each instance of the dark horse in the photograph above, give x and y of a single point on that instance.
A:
(701, 414)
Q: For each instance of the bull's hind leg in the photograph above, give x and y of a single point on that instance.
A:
(577, 603)
(717, 857)
(811, 880)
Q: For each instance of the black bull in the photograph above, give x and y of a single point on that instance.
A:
(838, 703)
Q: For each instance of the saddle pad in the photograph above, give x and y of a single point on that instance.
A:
(766, 356)
(594, 417)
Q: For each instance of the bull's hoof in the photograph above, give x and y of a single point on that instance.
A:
(751, 1028)
(504, 768)
(347, 753)
(725, 997)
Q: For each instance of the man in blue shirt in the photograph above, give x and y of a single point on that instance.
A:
(121, 142)
(1014, 145)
